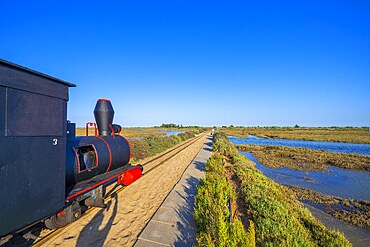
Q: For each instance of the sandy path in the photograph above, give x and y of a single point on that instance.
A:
(129, 212)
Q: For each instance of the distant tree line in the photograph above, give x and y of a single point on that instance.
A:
(295, 126)
(171, 125)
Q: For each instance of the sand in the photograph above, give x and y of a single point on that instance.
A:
(130, 210)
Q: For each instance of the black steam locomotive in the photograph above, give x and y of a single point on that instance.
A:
(46, 172)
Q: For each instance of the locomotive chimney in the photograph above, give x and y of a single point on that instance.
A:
(104, 113)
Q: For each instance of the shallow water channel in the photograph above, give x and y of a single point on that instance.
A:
(170, 132)
(342, 147)
(334, 181)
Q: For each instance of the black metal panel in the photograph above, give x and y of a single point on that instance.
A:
(32, 175)
(2, 110)
(32, 168)
(30, 114)
(104, 114)
(15, 76)
(97, 179)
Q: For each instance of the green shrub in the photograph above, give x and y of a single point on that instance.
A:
(214, 164)
(239, 158)
(138, 150)
(153, 144)
(211, 211)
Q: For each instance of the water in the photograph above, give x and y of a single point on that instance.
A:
(170, 132)
(342, 147)
(357, 236)
(338, 182)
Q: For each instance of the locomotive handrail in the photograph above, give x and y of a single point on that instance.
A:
(112, 130)
(87, 128)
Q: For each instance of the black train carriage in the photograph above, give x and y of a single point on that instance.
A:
(46, 172)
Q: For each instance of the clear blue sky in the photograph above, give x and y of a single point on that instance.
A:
(200, 62)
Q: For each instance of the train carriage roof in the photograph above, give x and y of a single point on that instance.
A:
(24, 69)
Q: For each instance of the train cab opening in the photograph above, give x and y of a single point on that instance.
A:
(86, 158)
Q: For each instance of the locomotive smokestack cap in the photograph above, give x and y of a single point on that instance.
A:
(104, 114)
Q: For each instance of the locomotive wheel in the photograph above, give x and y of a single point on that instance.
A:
(56, 221)
(63, 218)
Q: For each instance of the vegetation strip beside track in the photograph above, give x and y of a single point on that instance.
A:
(279, 218)
(216, 224)
(152, 145)
(305, 159)
(116, 190)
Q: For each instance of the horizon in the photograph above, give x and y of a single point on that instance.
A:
(246, 126)
(200, 64)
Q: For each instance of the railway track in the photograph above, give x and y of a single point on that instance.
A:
(116, 189)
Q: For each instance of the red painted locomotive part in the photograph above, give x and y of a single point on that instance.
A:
(110, 152)
(105, 100)
(130, 176)
(97, 156)
(78, 160)
(134, 174)
(61, 213)
(112, 130)
(95, 128)
(81, 192)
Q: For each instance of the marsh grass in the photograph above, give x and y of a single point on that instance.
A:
(352, 211)
(332, 134)
(138, 133)
(305, 159)
(279, 218)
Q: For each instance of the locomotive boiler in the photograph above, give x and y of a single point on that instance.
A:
(47, 173)
(89, 156)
